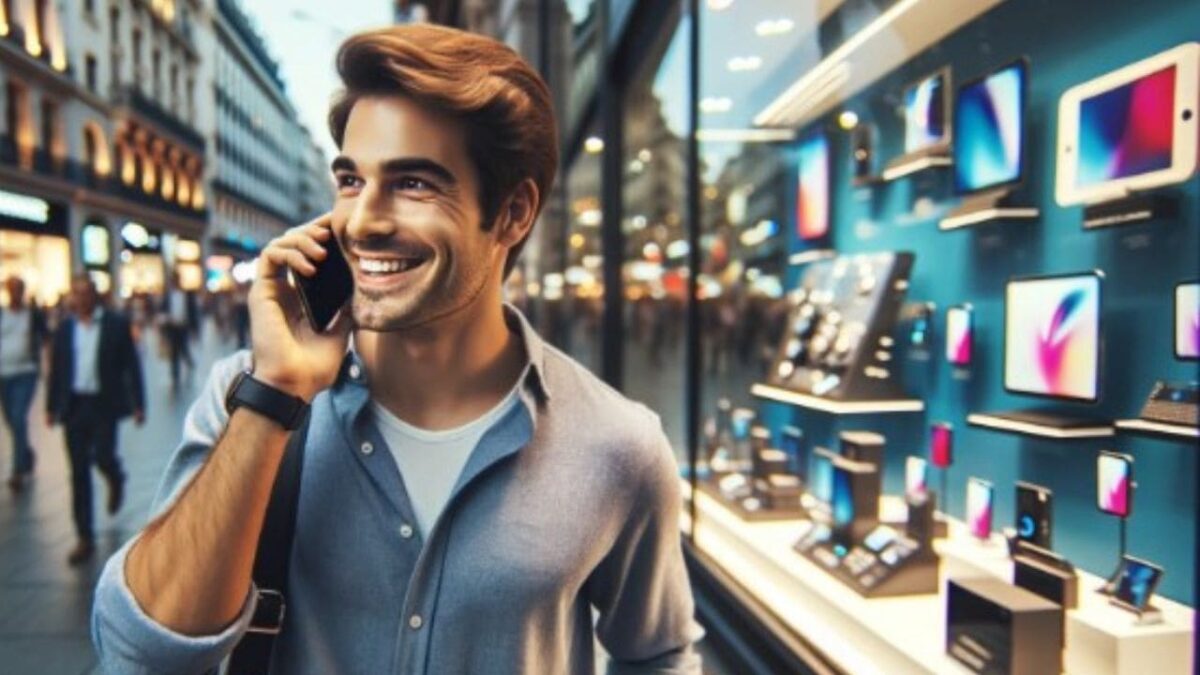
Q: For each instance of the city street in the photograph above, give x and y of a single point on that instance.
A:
(44, 625)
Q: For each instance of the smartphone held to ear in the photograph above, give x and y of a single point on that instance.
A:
(326, 292)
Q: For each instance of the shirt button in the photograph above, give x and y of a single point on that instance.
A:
(415, 622)
(367, 448)
(355, 371)
(406, 531)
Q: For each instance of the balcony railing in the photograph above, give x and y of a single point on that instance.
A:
(159, 116)
(77, 173)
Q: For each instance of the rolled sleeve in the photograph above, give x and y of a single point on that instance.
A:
(641, 589)
(130, 641)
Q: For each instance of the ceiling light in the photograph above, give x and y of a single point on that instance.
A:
(715, 104)
(593, 145)
(847, 120)
(719, 5)
(745, 135)
(774, 27)
(740, 64)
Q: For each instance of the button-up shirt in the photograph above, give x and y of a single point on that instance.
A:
(87, 354)
(568, 504)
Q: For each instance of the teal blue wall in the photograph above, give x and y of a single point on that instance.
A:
(1066, 43)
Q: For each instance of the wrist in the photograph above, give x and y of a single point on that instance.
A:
(293, 385)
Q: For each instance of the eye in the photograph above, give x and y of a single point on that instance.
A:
(348, 181)
(413, 183)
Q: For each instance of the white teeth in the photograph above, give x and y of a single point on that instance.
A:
(372, 266)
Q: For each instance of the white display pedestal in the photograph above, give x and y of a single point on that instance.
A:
(907, 634)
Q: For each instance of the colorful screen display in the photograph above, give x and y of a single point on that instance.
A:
(1187, 321)
(821, 485)
(1137, 582)
(1033, 514)
(812, 195)
(916, 484)
(842, 504)
(1114, 483)
(925, 113)
(988, 126)
(1052, 337)
(979, 508)
(958, 336)
(941, 445)
(1128, 130)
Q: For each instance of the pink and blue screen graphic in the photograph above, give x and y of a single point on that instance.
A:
(812, 198)
(979, 508)
(1052, 337)
(1112, 485)
(925, 113)
(1187, 321)
(988, 124)
(916, 470)
(1127, 131)
(958, 336)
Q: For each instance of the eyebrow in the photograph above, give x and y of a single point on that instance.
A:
(401, 165)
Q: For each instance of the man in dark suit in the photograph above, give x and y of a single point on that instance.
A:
(95, 381)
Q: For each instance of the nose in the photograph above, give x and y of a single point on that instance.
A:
(369, 217)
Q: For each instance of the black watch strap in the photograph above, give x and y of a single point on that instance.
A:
(287, 410)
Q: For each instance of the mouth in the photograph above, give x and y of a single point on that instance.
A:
(387, 272)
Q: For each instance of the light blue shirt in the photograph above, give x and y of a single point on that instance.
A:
(87, 355)
(569, 504)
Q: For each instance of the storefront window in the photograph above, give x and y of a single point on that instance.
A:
(582, 277)
(43, 262)
(655, 272)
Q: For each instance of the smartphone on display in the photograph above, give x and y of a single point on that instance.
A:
(1034, 514)
(941, 444)
(922, 325)
(1136, 583)
(979, 507)
(916, 471)
(959, 335)
(1114, 483)
(326, 292)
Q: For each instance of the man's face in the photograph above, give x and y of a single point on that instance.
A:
(408, 217)
(16, 290)
(83, 296)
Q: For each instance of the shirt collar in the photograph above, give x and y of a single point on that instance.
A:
(351, 393)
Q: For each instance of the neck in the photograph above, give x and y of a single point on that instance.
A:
(448, 373)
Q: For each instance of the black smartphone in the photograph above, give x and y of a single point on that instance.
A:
(1034, 514)
(327, 291)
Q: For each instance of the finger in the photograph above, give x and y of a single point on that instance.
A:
(306, 243)
(281, 259)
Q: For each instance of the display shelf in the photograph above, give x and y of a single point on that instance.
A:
(781, 395)
(987, 216)
(907, 634)
(903, 169)
(985, 420)
(1176, 431)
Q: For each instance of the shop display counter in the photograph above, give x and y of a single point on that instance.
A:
(1175, 431)
(1040, 430)
(907, 634)
(836, 407)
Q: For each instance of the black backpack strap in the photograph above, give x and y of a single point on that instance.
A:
(252, 655)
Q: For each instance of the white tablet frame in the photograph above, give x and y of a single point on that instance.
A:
(1186, 59)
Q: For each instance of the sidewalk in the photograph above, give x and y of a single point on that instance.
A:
(44, 603)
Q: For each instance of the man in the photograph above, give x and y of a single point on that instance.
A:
(95, 381)
(469, 495)
(22, 333)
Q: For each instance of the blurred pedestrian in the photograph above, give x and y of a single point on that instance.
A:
(176, 328)
(22, 334)
(95, 381)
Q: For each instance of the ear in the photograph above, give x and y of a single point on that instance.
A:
(517, 215)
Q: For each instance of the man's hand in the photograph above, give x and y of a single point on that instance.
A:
(139, 417)
(288, 353)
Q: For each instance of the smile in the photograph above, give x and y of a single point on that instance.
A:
(381, 266)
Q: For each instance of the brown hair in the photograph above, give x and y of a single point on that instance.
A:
(503, 102)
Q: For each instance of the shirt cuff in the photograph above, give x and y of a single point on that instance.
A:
(129, 641)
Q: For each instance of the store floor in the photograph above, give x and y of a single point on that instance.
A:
(45, 604)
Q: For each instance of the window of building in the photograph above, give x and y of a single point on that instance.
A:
(174, 84)
(89, 72)
(49, 122)
(89, 6)
(156, 72)
(114, 25)
(136, 46)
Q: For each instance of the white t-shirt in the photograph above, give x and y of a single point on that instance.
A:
(430, 462)
(14, 343)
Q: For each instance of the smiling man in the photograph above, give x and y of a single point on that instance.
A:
(471, 500)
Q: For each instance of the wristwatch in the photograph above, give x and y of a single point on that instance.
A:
(282, 407)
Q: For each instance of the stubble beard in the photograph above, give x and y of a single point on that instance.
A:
(434, 298)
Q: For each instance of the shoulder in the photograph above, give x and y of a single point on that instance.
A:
(617, 431)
